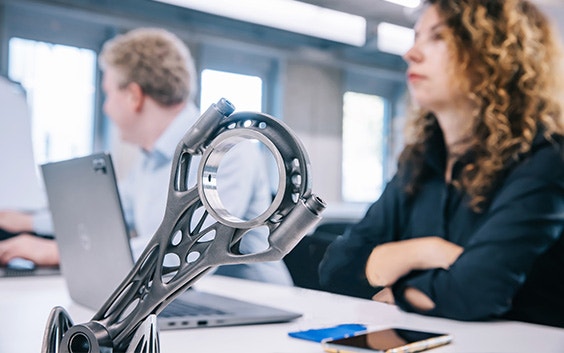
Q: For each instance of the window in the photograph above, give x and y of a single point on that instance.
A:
(363, 146)
(60, 84)
(244, 91)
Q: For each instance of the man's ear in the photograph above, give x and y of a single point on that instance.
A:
(135, 96)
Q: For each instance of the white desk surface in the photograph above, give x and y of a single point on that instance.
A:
(25, 304)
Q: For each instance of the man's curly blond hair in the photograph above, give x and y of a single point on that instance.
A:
(156, 59)
(508, 61)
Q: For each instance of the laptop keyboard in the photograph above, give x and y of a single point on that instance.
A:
(10, 272)
(181, 308)
(13, 272)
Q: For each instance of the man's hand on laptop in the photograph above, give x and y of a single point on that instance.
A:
(15, 221)
(43, 252)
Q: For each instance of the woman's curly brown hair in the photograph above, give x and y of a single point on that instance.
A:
(508, 51)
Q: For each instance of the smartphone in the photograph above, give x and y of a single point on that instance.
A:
(392, 340)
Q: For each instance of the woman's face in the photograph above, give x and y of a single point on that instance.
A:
(430, 65)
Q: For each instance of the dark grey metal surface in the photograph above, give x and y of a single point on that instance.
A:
(126, 322)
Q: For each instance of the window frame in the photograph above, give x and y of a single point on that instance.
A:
(244, 61)
(391, 87)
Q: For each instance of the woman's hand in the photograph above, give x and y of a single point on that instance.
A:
(384, 296)
(391, 261)
(418, 299)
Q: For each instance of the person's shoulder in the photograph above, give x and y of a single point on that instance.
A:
(549, 147)
(546, 158)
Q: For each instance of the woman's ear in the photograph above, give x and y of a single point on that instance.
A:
(136, 97)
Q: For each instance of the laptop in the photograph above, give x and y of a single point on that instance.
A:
(96, 256)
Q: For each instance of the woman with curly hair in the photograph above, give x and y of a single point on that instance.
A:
(471, 225)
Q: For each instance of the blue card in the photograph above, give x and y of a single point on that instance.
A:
(335, 332)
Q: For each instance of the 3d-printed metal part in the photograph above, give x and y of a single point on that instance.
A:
(198, 233)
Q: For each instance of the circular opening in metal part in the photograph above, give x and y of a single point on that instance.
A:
(79, 343)
(223, 196)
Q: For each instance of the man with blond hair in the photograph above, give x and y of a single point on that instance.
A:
(149, 79)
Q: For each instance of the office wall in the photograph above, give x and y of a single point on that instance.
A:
(313, 106)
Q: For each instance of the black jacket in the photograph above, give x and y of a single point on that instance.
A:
(513, 260)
